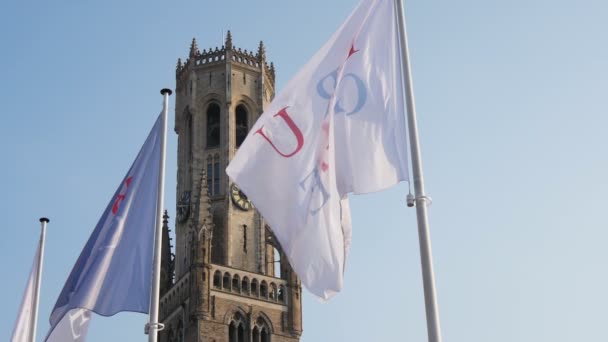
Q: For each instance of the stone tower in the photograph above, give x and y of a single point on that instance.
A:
(228, 280)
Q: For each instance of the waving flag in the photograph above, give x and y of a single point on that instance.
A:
(113, 272)
(337, 127)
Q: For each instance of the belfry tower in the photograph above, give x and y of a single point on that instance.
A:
(228, 280)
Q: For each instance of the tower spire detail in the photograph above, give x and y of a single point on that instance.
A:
(228, 42)
(261, 51)
(193, 48)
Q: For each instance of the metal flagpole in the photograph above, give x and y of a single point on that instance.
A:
(34, 322)
(154, 326)
(421, 200)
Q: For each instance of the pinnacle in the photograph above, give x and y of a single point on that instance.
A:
(228, 43)
(261, 51)
(193, 48)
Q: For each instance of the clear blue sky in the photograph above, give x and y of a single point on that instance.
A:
(512, 113)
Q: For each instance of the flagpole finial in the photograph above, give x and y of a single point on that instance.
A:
(44, 219)
(166, 91)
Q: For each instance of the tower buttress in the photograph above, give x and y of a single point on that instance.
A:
(201, 231)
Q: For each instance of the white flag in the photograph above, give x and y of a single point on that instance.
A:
(23, 327)
(337, 127)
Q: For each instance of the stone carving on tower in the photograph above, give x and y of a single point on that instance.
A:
(228, 280)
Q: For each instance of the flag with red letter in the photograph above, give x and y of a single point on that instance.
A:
(337, 127)
(114, 270)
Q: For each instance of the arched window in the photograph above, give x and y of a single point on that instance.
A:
(217, 279)
(213, 125)
(255, 335)
(213, 175)
(245, 285)
(241, 333)
(276, 263)
(254, 287)
(263, 289)
(281, 295)
(226, 283)
(264, 336)
(261, 331)
(273, 291)
(232, 333)
(242, 126)
(236, 282)
(236, 329)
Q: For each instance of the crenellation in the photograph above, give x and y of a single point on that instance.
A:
(219, 55)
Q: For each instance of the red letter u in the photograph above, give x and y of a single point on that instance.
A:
(294, 128)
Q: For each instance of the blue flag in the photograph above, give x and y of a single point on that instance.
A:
(114, 270)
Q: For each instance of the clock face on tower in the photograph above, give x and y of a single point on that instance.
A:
(239, 199)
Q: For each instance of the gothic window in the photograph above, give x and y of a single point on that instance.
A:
(263, 289)
(273, 291)
(264, 336)
(276, 267)
(281, 295)
(261, 331)
(236, 330)
(226, 283)
(209, 175)
(242, 126)
(232, 333)
(241, 333)
(236, 282)
(255, 335)
(213, 175)
(216, 175)
(245, 285)
(217, 280)
(254, 287)
(213, 125)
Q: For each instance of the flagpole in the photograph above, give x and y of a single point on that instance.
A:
(154, 326)
(421, 200)
(43, 222)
